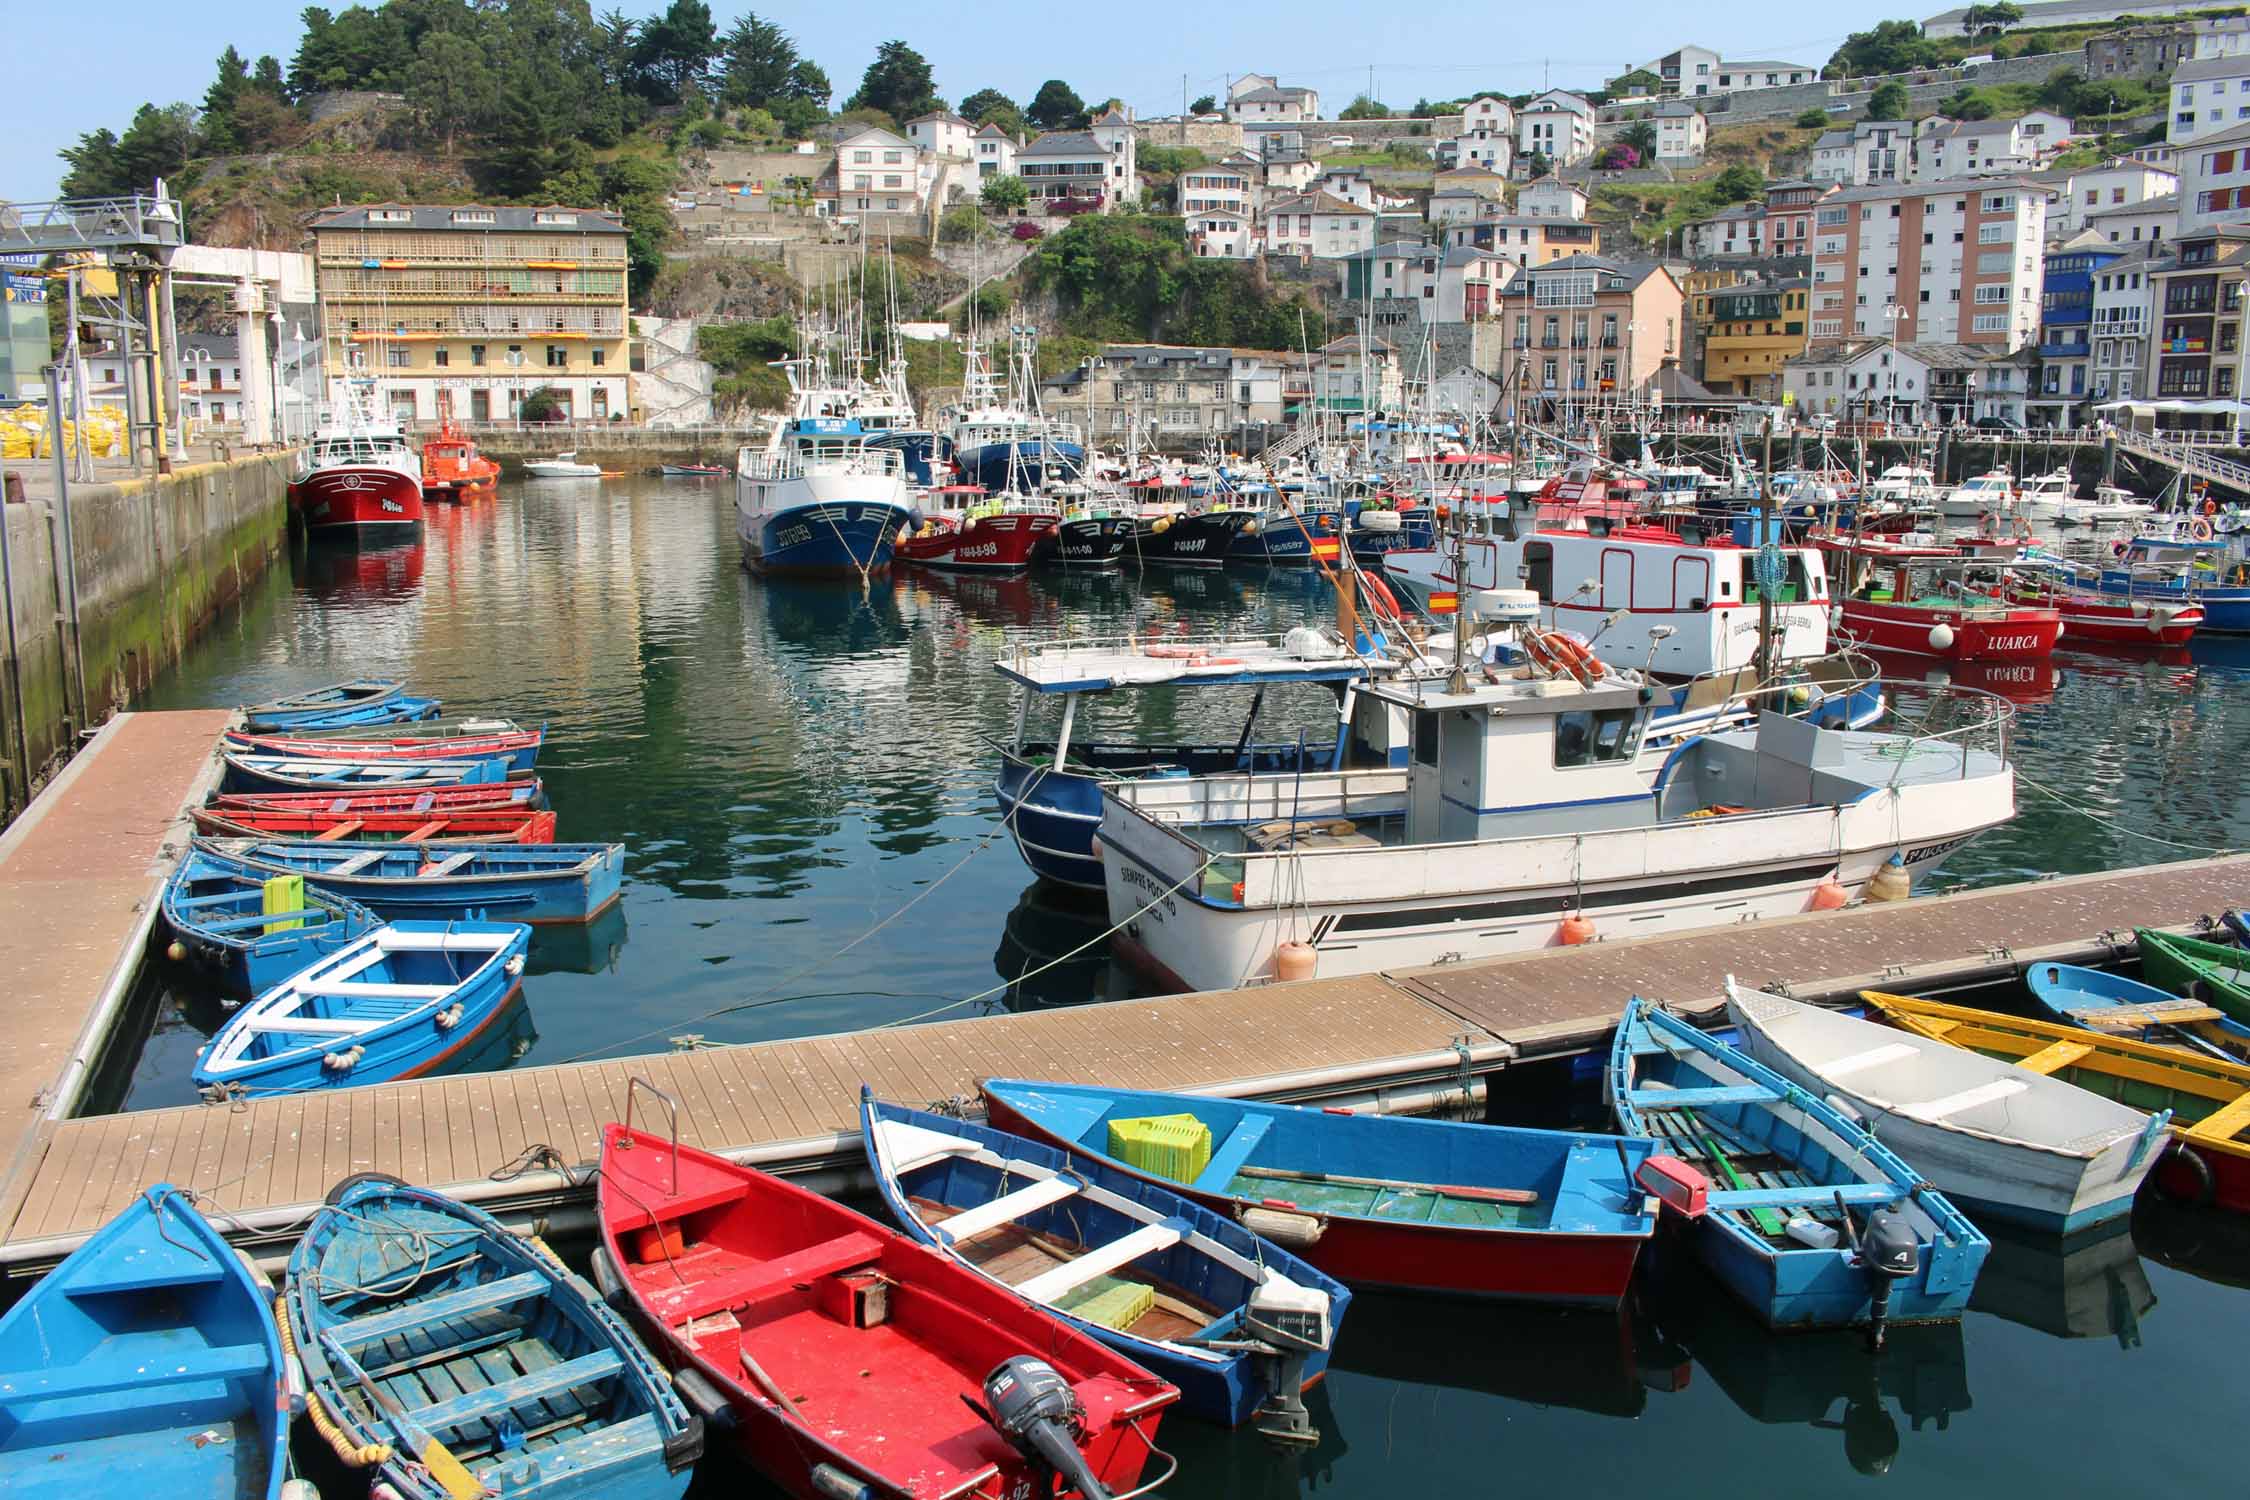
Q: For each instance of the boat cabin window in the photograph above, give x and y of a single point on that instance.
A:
(1539, 570)
(1795, 587)
(1591, 737)
(1691, 583)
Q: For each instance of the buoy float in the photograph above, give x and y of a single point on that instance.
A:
(1163, 524)
(176, 951)
(1094, 848)
(1294, 960)
(1830, 895)
(1891, 883)
(1941, 637)
(1576, 928)
(1249, 528)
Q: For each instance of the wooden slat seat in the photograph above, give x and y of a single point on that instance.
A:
(1102, 1260)
(445, 866)
(339, 832)
(397, 941)
(310, 914)
(352, 866)
(991, 1214)
(748, 1282)
(123, 1373)
(492, 1400)
(2054, 1057)
(1744, 1093)
(429, 1311)
(316, 1025)
(2225, 1123)
(347, 989)
(1804, 1197)
(602, 1447)
(1233, 1152)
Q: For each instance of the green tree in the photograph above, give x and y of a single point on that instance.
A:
(1983, 20)
(450, 87)
(983, 105)
(1891, 47)
(1540, 165)
(266, 77)
(964, 223)
(757, 56)
(1204, 104)
(1639, 81)
(1966, 104)
(1056, 107)
(1364, 108)
(157, 144)
(1641, 136)
(1738, 184)
(1813, 119)
(1890, 102)
(898, 82)
(675, 49)
(219, 134)
(1005, 195)
(94, 169)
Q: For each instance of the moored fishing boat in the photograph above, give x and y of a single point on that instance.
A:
(1925, 608)
(561, 466)
(1991, 1137)
(146, 1362)
(1809, 1220)
(1373, 1200)
(533, 883)
(323, 825)
(776, 1304)
(360, 485)
(2093, 619)
(398, 1002)
(453, 470)
(1240, 1325)
(251, 930)
(2206, 1098)
(516, 750)
(818, 500)
(2113, 1005)
(998, 533)
(443, 727)
(473, 1360)
(292, 773)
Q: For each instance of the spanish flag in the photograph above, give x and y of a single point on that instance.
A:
(1326, 549)
(1444, 604)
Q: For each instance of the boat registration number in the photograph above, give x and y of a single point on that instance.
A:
(1928, 852)
(791, 536)
(393, 507)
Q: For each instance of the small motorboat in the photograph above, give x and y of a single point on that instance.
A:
(255, 931)
(2215, 973)
(453, 470)
(1373, 1200)
(496, 796)
(474, 1359)
(338, 705)
(1989, 1136)
(1240, 1325)
(693, 471)
(2093, 619)
(396, 1003)
(561, 466)
(517, 750)
(855, 1361)
(518, 882)
(1809, 1220)
(296, 773)
(2207, 1098)
(494, 826)
(147, 1363)
(2116, 1006)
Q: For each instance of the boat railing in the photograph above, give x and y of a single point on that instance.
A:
(1947, 719)
(1026, 656)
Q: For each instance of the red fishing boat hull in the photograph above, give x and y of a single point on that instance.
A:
(499, 826)
(2119, 622)
(876, 1397)
(1533, 1267)
(367, 504)
(2000, 633)
(988, 544)
(427, 803)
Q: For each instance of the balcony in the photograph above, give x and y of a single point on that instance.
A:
(2190, 304)
(1550, 341)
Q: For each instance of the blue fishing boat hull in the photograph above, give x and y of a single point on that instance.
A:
(551, 1397)
(535, 883)
(1417, 531)
(398, 709)
(2063, 988)
(826, 540)
(424, 1040)
(285, 773)
(1314, 534)
(147, 1364)
(918, 451)
(217, 914)
(1226, 1390)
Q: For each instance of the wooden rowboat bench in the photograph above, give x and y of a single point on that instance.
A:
(1099, 1262)
(488, 1296)
(1006, 1209)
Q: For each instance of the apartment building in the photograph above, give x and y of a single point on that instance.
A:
(2209, 94)
(2123, 316)
(2120, 182)
(1592, 328)
(1864, 154)
(1526, 239)
(2214, 181)
(1167, 389)
(2064, 378)
(1749, 332)
(2198, 296)
(459, 310)
(1940, 262)
(1558, 125)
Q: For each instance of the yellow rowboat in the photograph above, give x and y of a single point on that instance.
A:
(2209, 1098)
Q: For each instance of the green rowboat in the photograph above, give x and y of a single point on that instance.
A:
(2211, 972)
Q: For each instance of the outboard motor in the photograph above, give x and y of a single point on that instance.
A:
(1887, 1252)
(1035, 1409)
(1289, 1322)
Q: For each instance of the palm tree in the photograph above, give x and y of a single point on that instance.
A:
(1641, 136)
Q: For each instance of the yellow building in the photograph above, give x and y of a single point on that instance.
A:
(463, 311)
(1749, 330)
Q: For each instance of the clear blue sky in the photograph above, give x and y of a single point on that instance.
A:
(65, 71)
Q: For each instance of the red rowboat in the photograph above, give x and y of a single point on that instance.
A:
(426, 802)
(848, 1353)
(493, 826)
(2101, 621)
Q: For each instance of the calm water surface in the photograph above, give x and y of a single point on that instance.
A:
(790, 767)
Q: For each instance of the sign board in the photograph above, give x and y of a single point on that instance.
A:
(23, 289)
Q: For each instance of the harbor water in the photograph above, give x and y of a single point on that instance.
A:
(802, 779)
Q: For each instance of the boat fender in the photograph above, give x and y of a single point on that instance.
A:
(2206, 1186)
(829, 1480)
(1576, 928)
(1830, 895)
(344, 1061)
(514, 965)
(336, 1193)
(1293, 1231)
(606, 1280)
(703, 1399)
(299, 1489)
(449, 1017)
(1941, 637)
(176, 951)
(1891, 882)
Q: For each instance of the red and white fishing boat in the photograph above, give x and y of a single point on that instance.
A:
(855, 1361)
(477, 826)
(2102, 620)
(1925, 608)
(520, 747)
(1582, 496)
(360, 483)
(979, 533)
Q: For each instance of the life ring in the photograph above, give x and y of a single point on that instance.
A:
(1555, 653)
(1379, 593)
(2200, 527)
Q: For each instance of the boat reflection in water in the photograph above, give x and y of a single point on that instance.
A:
(1827, 1380)
(579, 947)
(341, 572)
(1054, 951)
(2207, 1243)
(2025, 683)
(1217, 1462)
(1600, 1360)
(2088, 1286)
(982, 598)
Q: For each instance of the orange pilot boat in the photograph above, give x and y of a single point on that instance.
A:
(453, 470)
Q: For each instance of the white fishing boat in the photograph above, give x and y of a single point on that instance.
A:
(561, 466)
(1902, 487)
(1990, 1135)
(1522, 819)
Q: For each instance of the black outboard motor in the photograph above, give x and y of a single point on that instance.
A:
(1888, 1252)
(1037, 1412)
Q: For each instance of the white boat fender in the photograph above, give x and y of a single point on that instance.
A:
(299, 1489)
(514, 965)
(1292, 1231)
(344, 1061)
(449, 1017)
(1941, 636)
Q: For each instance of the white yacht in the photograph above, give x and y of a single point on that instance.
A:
(1991, 493)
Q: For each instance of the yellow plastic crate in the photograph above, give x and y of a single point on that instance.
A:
(1173, 1146)
(284, 893)
(1111, 1304)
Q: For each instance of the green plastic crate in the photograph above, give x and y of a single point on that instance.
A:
(1172, 1146)
(1110, 1304)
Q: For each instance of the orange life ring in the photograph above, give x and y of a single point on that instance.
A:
(2199, 528)
(1171, 652)
(1555, 653)
(1380, 595)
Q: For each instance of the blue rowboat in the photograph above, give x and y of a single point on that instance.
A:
(2116, 1006)
(219, 917)
(1241, 1326)
(426, 1327)
(292, 773)
(401, 1001)
(1377, 1200)
(516, 882)
(343, 703)
(146, 1364)
(1778, 1160)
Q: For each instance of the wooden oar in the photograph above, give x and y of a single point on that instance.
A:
(1444, 1189)
(1768, 1221)
(446, 1469)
